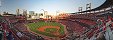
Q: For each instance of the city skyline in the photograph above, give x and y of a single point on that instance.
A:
(51, 6)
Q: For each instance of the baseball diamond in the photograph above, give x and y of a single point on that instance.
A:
(51, 29)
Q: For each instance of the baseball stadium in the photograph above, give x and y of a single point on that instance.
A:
(56, 20)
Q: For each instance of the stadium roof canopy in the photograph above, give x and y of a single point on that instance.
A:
(106, 4)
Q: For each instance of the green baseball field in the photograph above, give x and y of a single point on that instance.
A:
(51, 29)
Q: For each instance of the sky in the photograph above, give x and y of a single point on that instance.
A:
(51, 6)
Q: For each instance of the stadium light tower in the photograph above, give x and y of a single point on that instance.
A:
(80, 9)
(88, 6)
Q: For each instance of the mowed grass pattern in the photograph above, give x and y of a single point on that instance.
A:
(33, 27)
(50, 30)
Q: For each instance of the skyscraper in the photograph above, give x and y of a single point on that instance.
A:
(31, 12)
(18, 11)
(25, 12)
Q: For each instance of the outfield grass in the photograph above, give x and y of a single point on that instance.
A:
(34, 26)
(51, 30)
